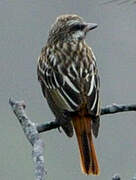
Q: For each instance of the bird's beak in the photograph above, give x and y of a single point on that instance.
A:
(90, 26)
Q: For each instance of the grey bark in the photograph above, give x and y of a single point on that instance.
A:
(31, 131)
(33, 137)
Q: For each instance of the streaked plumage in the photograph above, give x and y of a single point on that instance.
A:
(69, 79)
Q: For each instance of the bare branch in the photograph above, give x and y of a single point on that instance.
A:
(116, 177)
(31, 130)
(47, 126)
(32, 135)
(111, 109)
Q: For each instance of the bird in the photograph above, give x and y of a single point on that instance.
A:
(69, 79)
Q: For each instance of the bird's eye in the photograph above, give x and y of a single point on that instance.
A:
(78, 27)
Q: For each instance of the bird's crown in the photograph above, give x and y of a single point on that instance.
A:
(68, 27)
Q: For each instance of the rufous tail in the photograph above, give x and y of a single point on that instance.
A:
(88, 158)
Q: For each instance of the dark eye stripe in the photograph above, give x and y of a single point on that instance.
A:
(77, 27)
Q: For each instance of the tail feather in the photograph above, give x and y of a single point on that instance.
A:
(88, 158)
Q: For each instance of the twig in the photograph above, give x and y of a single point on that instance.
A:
(111, 109)
(32, 135)
(115, 108)
(31, 130)
(47, 126)
(116, 177)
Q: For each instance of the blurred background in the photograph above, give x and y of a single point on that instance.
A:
(24, 26)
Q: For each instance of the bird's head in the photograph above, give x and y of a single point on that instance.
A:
(68, 28)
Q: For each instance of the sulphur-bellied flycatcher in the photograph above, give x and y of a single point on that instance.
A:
(69, 80)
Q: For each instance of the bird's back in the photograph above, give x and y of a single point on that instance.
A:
(69, 72)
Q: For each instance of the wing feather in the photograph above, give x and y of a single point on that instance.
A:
(59, 84)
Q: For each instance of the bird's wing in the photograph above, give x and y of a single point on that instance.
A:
(93, 96)
(64, 91)
(93, 91)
